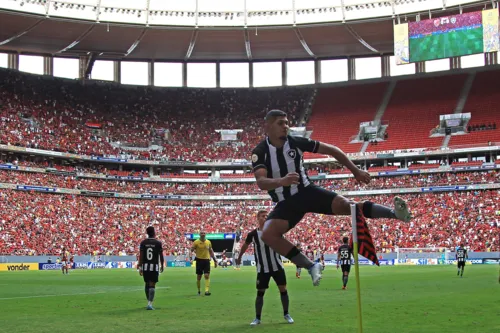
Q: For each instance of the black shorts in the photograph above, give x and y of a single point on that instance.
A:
(263, 279)
(202, 266)
(460, 264)
(150, 276)
(345, 268)
(312, 199)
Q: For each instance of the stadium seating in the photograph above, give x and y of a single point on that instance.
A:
(338, 112)
(346, 184)
(54, 114)
(483, 105)
(35, 224)
(414, 110)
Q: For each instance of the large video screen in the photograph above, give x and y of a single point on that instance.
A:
(446, 37)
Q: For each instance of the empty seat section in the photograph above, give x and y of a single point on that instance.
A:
(483, 104)
(338, 111)
(414, 110)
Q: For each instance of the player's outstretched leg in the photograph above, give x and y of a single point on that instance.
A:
(272, 235)
(341, 206)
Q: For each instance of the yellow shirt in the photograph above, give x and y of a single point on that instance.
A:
(202, 248)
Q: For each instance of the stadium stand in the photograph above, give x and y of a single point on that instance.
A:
(338, 111)
(482, 103)
(35, 224)
(414, 111)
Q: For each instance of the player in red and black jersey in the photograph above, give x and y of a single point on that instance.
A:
(71, 261)
(64, 260)
(344, 260)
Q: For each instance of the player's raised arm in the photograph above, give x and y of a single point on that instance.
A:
(268, 184)
(339, 155)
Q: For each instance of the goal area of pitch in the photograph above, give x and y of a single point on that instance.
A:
(423, 255)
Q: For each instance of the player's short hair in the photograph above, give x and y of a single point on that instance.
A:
(274, 113)
(345, 240)
(150, 231)
(262, 211)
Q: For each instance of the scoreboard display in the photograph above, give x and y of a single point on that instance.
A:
(446, 37)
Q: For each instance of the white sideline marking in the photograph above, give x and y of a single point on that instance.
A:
(75, 294)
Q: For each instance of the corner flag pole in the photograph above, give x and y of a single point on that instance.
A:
(356, 265)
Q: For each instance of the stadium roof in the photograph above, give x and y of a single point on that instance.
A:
(43, 34)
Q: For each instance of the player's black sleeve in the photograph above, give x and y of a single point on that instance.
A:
(304, 144)
(258, 159)
(142, 250)
(250, 237)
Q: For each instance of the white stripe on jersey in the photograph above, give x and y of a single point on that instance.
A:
(305, 181)
(276, 171)
(290, 165)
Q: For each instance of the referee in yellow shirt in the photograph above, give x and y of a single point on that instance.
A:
(203, 251)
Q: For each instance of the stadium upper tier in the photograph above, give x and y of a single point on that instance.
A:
(237, 188)
(181, 124)
(35, 224)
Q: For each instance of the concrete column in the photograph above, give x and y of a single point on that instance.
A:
(151, 171)
(455, 63)
(13, 61)
(82, 65)
(317, 71)
(184, 74)
(48, 65)
(351, 69)
(250, 74)
(151, 73)
(386, 66)
(283, 73)
(217, 74)
(117, 71)
(420, 67)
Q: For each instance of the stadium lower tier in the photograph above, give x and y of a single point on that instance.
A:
(350, 184)
(36, 224)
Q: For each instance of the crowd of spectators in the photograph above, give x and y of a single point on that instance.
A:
(100, 119)
(142, 187)
(35, 224)
(482, 127)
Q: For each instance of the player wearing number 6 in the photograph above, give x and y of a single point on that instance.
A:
(344, 260)
(151, 252)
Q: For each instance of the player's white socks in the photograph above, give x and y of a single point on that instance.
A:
(151, 294)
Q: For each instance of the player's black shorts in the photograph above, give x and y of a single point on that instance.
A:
(263, 279)
(345, 268)
(460, 264)
(312, 199)
(150, 276)
(202, 266)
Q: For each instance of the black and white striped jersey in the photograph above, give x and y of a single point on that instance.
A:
(344, 255)
(267, 260)
(280, 161)
(151, 250)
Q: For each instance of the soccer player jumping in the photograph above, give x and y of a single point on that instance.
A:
(278, 168)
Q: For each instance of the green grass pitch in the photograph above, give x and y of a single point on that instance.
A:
(395, 299)
(452, 44)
